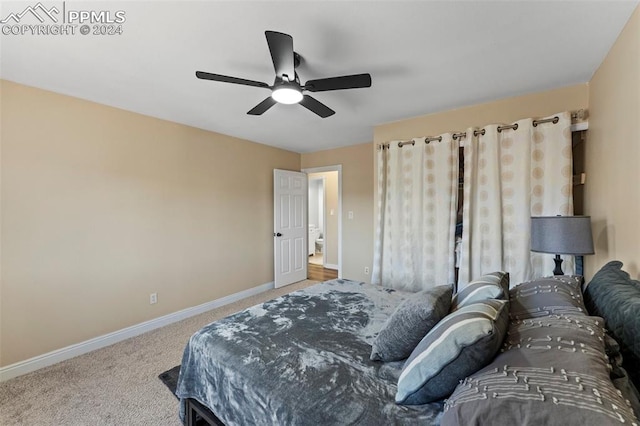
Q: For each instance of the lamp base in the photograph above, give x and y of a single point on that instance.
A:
(558, 269)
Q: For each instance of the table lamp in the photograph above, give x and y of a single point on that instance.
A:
(561, 235)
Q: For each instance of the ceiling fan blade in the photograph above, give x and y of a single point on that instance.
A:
(355, 81)
(316, 106)
(262, 106)
(226, 79)
(281, 48)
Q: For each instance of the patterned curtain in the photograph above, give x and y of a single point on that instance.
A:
(509, 176)
(417, 203)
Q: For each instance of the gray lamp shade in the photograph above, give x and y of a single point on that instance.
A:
(561, 235)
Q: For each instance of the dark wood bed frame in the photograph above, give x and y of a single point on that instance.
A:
(197, 414)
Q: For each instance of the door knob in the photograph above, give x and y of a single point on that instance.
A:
(277, 235)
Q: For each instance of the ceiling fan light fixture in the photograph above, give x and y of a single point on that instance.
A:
(286, 95)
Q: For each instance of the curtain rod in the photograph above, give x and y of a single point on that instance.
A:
(461, 135)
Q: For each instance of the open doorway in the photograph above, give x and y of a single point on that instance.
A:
(317, 218)
(325, 222)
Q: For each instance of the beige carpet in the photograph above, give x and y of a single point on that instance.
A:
(116, 385)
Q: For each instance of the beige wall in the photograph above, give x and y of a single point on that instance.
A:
(357, 196)
(612, 197)
(330, 249)
(101, 207)
(501, 111)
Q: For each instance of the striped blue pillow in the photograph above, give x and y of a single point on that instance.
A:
(489, 286)
(459, 345)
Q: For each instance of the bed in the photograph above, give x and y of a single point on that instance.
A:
(304, 358)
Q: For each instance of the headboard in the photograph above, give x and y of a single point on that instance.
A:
(614, 296)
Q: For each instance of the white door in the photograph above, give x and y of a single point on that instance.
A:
(290, 231)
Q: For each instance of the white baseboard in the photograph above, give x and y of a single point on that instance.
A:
(331, 266)
(54, 357)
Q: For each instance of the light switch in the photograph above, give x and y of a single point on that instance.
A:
(350, 215)
(331, 212)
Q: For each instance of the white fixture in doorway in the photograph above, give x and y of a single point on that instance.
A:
(316, 214)
(338, 214)
(314, 236)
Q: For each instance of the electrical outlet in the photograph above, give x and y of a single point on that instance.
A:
(153, 298)
(366, 270)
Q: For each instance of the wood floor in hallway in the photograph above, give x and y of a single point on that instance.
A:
(317, 272)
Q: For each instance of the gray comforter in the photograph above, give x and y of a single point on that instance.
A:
(300, 359)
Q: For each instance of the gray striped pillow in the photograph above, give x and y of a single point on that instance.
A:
(489, 286)
(459, 345)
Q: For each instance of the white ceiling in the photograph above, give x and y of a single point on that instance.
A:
(423, 57)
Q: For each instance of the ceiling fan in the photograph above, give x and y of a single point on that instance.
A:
(286, 88)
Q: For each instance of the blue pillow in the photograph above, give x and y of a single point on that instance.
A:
(489, 286)
(460, 344)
